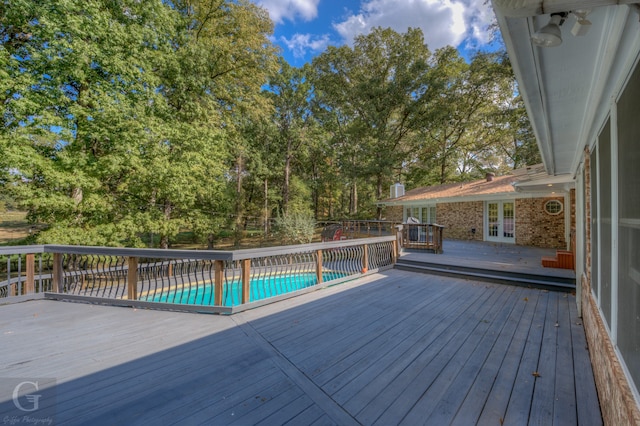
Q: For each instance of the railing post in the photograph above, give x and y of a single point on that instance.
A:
(365, 259)
(30, 283)
(57, 276)
(218, 275)
(319, 266)
(132, 279)
(394, 251)
(246, 280)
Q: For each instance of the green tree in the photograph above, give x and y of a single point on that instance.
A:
(120, 113)
(374, 91)
(80, 81)
(289, 91)
(463, 123)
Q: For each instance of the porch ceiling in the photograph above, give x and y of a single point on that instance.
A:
(565, 88)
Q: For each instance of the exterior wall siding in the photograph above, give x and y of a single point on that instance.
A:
(460, 218)
(618, 405)
(537, 228)
(534, 227)
(393, 213)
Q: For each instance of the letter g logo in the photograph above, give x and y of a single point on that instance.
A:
(32, 398)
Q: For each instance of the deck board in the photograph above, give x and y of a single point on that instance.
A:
(502, 358)
(589, 412)
(396, 347)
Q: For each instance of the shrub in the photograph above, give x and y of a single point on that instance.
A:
(295, 228)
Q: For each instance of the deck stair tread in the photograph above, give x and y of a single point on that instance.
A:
(547, 282)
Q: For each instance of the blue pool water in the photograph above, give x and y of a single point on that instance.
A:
(260, 288)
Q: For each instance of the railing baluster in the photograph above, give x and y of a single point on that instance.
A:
(219, 281)
(246, 280)
(365, 259)
(30, 272)
(132, 278)
(57, 284)
(319, 266)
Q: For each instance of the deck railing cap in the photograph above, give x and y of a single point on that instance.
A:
(191, 254)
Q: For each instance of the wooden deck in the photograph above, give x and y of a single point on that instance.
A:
(392, 348)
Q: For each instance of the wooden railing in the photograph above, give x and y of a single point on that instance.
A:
(368, 228)
(424, 236)
(209, 281)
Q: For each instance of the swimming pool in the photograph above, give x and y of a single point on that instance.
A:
(260, 288)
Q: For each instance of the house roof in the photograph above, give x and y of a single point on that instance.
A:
(519, 183)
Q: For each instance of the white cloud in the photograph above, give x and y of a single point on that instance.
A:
(279, 10)
(443, 22)
(301, 44)
(479, 17)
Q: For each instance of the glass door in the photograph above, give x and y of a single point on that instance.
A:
(501, 221)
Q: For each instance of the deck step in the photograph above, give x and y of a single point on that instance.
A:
(546, 282)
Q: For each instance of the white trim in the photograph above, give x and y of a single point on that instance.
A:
(614, 223)
(580, 237)
(419, 207)
(562, 203)
(501, 238)
(608, 52)
(597, 220)
(567, 220)
(470, 198)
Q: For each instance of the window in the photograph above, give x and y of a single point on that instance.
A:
(425, 214)
(604, 219)
(553, 207)
(628, 300)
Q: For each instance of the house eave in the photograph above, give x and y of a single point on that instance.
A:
(541, 193)
(562, 87)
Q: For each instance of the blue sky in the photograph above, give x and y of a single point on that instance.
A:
(304, 28)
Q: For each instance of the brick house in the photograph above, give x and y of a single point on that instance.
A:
(578, 72)
(525, 207)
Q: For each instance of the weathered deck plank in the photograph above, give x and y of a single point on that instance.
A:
(519, 403)
(503, 358)
(588, 410)
(564, 407)
(454, 389)
(392, 348)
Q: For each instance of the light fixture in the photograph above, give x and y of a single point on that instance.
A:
(582, 25)
(550, 35)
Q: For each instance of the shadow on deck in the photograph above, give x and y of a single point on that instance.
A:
(392, 348)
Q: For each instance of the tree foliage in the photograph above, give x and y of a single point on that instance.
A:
(119, 113)
(126, 122)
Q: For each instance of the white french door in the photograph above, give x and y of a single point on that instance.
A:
(500, 221)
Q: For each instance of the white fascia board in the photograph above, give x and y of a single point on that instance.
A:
(483, 197)
(516, 33)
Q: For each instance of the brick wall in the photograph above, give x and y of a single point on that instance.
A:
(393, 213)
(617, 402)
(535, 227)
(459, 218)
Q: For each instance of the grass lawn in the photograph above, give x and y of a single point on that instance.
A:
(13, 226)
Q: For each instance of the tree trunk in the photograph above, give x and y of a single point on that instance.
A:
(353, 199)
(237, 235)
(285, 185)
(379, 196)
(266, 208)
(164, 239)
